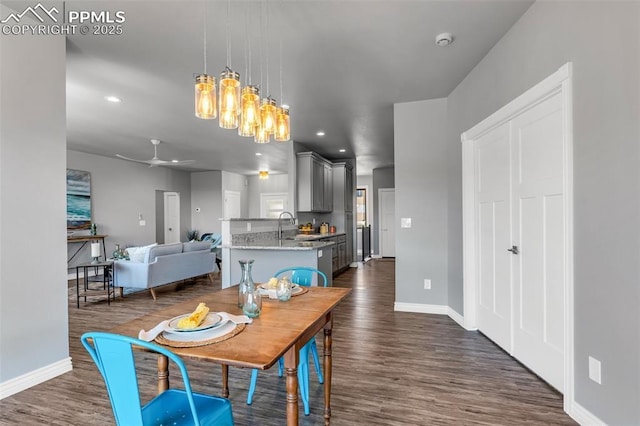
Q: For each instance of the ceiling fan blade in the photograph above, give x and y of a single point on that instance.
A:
(132, 159)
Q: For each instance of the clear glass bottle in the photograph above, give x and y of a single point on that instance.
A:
(245, 280)
(283, 289)
(251, 299)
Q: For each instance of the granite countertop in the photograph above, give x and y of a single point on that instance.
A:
(286, 244)
(307, 237)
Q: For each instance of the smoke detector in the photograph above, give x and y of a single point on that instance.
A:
(444, 39)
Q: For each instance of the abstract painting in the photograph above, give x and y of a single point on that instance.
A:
(78, 199)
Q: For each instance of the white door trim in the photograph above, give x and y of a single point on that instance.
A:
(166, 213)
(380, 191)
(559, 82)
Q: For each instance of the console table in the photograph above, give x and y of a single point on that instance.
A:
(84, 239)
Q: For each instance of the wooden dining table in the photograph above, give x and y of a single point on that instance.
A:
(280, 331)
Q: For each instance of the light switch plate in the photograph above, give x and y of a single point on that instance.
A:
(405, 222)
(319, 253)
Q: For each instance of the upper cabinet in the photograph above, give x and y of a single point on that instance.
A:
(343, 187)
(315, 183)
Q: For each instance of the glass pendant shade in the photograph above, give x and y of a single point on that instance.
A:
(249, 111)
(263, 175)
(205, 96)
(283, 127)
(261, 135)
(268, 115)
(229, 99)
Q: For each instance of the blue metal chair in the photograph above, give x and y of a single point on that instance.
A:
(301, 275)
(113, 355)
(215, 239)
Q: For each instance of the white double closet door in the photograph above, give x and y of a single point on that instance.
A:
(520, 238)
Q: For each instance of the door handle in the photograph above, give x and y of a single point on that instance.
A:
(514, 250)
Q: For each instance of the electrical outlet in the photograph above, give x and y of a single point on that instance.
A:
(427, 284)
(595, 370)
(319, 253)
(313, 221)
(248, 226)
(143, 222)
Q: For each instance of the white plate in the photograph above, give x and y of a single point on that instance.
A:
(210, 321)
(218, 330)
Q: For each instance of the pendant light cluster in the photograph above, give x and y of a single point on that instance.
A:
(241, 107)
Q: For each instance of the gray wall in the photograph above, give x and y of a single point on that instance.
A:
(420, 146)
(382, 178)
(238, 183)
(602, 40)
(256, 186)
(206, 194)
(120, 190)
(32, 205)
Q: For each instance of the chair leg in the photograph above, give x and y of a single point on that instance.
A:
(252, 385)
(280, 367)
(316, 360)
(153, 294)
(303, 380)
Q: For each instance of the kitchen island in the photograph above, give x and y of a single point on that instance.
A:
(272, 255)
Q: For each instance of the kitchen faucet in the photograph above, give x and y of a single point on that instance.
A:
(292, 221)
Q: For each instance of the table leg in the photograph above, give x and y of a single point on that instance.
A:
(291, 373)
(328, 362)
(225, 380)
(77, 288)
(163, 373)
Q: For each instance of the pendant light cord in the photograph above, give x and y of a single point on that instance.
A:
(204, 31)
(228, 30)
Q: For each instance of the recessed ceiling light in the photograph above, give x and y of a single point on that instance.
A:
(174, 161)
(113, 99)
(258, 154)
(320, 133)
(343, 150)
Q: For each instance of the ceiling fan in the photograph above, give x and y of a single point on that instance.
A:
(155, 161)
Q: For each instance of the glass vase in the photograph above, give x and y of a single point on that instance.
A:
(245, 280)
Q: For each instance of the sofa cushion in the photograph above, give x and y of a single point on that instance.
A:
(195, 246)
(164, 250)
(140, 254)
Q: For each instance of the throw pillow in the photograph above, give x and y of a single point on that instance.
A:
(138, 254)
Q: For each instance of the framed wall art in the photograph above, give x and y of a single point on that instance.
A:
(78, 199)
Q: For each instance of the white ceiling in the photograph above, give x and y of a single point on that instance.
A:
(345, 63)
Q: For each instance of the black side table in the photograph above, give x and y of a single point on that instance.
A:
(107, 281)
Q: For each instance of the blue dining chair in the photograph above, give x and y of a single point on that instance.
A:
(301, 275)
(113, 355)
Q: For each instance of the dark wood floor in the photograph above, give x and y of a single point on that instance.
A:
(404, 369)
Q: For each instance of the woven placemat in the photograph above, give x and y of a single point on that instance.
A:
(174, 344)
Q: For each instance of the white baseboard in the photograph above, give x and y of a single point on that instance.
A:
(35, 377)
(376, 256)
(421, 308)
(583, 416)
(456, 317)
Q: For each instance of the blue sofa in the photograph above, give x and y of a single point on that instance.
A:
(164, 264)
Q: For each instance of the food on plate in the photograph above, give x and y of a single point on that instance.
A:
(195, 318)
(272, 283)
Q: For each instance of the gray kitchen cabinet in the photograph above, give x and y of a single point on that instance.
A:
(343, 187)
(315, 183)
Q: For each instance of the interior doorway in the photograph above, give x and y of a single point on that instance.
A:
(518, 221)
(387, 215)
(232, 204)
(171, 217)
